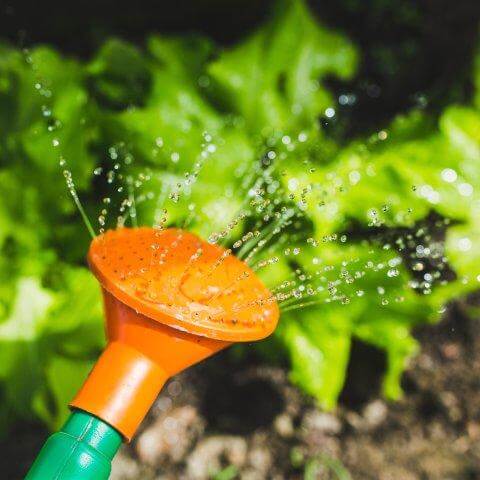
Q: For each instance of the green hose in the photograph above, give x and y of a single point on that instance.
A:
(82, 450)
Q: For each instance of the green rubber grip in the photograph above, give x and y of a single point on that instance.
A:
(82, 450)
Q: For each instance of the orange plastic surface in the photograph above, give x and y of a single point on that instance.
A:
(171, 300)
(177, 279)
(140, 356)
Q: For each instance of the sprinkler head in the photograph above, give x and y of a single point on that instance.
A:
(171, 300)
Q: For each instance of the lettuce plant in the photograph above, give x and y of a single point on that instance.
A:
(384, 229)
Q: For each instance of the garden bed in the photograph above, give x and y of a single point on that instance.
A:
(255, 425)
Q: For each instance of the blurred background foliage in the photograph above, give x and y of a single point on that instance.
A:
(373, 108)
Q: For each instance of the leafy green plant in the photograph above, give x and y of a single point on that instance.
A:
(386, 223)
(228, 473)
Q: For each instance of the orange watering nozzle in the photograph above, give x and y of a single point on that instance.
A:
(171, 300)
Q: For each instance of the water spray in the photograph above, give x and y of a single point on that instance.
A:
(171, 300)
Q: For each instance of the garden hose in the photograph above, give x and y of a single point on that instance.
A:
(171, 300)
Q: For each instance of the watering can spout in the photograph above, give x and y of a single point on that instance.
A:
(171, 300)
(140, 357)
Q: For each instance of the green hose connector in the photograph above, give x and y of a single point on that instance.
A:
(82, 450)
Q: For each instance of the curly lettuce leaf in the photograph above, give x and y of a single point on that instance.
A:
(318, 346)
(197, 126)
(273, 79)
(21, 353)
(119, 75)
(46, 331)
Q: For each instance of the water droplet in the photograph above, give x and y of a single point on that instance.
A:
(330, 112)
(449, 175)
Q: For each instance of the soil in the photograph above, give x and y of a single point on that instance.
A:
(253, 424)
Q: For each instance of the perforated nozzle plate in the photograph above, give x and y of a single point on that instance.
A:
(176, 278)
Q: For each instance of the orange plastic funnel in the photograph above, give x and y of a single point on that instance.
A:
(171, 300)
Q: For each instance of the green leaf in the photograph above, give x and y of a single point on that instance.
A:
(49, 336)
(193, 127)
(463, 252)
(183, 57)
(29, 83)
(273, 79)
(461, 126)
(20, 353)
(390, 331)
(69, 140)
(212, 193)
(318, 346)
(119, 75)
(75, 320)
(64, 376)
(228, 473)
